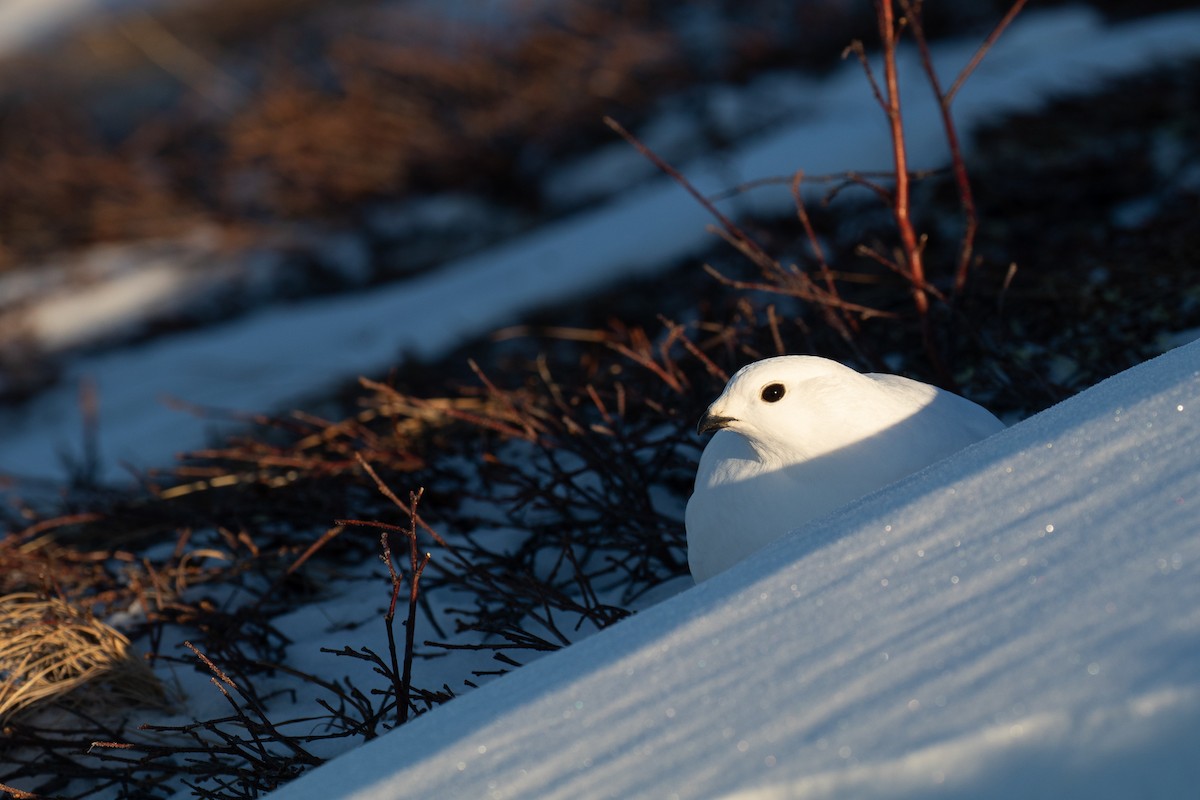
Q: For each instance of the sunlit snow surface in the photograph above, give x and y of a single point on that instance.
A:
(269, 360)
(1020, 620)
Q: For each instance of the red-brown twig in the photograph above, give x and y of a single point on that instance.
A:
(889, 34)
(678, 177)
(840, 322)
(792, 280)
(983, 49)
(910, 264)
(38, 528)
(677, 333)
(804, 289)
(912, 10)
(311, 550)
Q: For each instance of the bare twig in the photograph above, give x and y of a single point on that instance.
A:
(733, 233)
(401, 673)
(945, 99)
(966, 71)
(388, 619)
(38, 528)
(804, 289)
(677, 333)
(328, 536)
(856, 47)
(844, 323)
(913, 263)
(840, 180)
(18, 794)
(417, 563)
(676, 176)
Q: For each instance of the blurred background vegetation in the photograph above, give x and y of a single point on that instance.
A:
(149, 120)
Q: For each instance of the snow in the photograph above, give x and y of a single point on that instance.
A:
(116, 289)
(272, 359)
(1019, 620)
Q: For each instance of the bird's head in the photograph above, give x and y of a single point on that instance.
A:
(789, 407)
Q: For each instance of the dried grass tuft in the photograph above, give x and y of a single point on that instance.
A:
(52, 652)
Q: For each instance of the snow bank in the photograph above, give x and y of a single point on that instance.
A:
(1020, 620)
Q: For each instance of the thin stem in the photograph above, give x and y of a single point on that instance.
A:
(913, 261)
(983, 49)
(417, 563)
(389, 620)
(901, 194)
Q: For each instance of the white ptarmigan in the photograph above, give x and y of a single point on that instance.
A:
(799, 436)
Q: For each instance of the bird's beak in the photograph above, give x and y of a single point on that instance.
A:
(713, 422)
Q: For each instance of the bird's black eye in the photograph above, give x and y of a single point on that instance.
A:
(773, 392)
